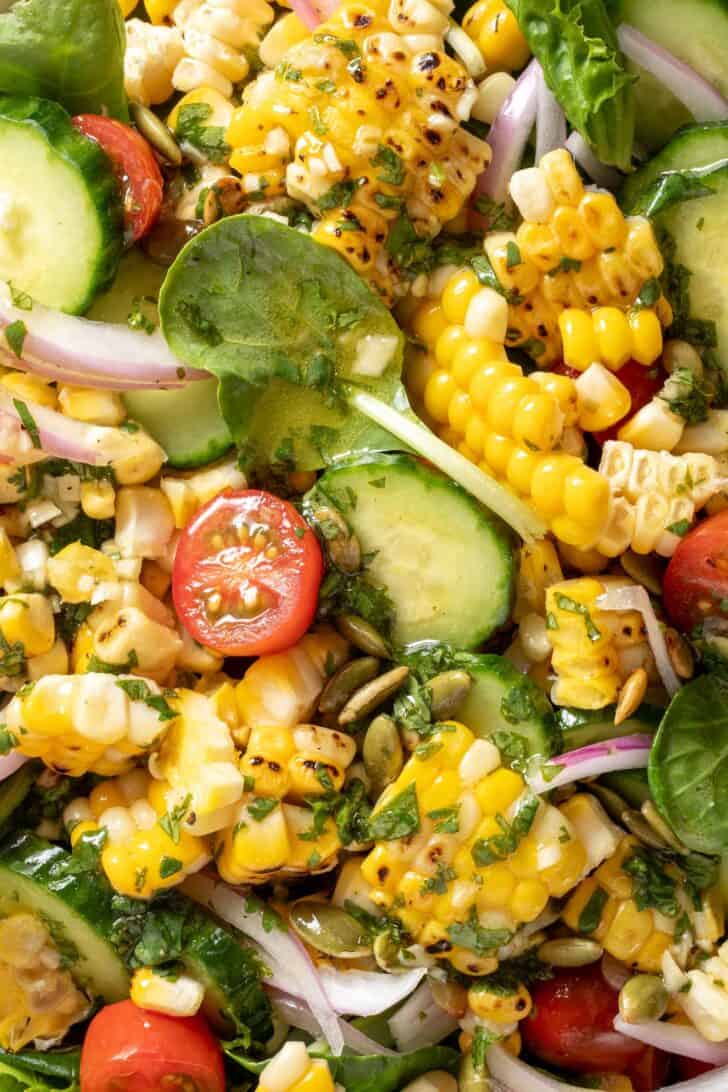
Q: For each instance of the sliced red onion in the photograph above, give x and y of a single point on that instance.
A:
(675, 1039)
(599, 172)
(367, 993)
(625, 753)
(289, 964)
(515, 1076)
(298, 1015)
(92, 354)
(313, 12)
(509, 134)
(420, 1022)
(635, 597)
(550, 120)
(10, 763)
(701, 98)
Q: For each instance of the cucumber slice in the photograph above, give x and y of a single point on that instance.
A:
(447, 564)
(582, 727)
(187, 423)
(696, 31)
(75, 905)
(693, 146)
(631, 785)
(14, 791)
(506, 705)
(61, 232)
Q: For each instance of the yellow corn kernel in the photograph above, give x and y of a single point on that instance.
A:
(285, 33)
(603, 220)
(9, 566)
(96, 407)
(521, 468)
(159, 10)
(547, 485)
(459, 291)
(498, 791)
(586, 496)
(538, 422)
(495, 1006)
(562, 176)
(603, 399)
(178, 996)
(488, 378)
(539, 244)
(98, 499)
(612, 330)
(318, 1078)
(30, 387)
(429, 322)
(646, 332)
(579, 338)
(573, 237)
(450, 340)
(589, 561)
(127, 7)
(439, 392)
(27, 619)
(473, 354)
(76, 570)
(495, 30)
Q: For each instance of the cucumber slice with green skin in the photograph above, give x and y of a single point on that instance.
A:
(447, 564)
(692, 146)
(75, 906)
(695, 31)
(62, 229)
(187, 423)
(582, 727)
(14, 791)
(631, 785)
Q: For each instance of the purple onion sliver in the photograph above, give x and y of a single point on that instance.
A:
(509, 134)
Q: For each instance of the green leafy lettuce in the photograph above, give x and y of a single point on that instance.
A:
(70, 51)
(576, 45)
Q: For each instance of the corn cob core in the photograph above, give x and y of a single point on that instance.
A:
(81, 724)
(38, 1000)
(359, 124)
(291, 1070)
(485, 855)
(146, 848)
(604, 907)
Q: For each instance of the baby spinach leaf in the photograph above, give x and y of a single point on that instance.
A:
(575, 42)
(38, 1071)
(70, 51)
(688, 769)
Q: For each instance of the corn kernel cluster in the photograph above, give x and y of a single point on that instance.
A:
(39, 998)
(702, 994)
(485, 856)
(146, 848)
(609, 336)
(291, 1070)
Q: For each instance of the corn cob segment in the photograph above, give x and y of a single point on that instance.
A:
(484, 855)
(39, 999)
(609, 336)
(92, 723)
(297, 763)
(147, 848)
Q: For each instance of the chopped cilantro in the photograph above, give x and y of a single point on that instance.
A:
(139, 690)
(15, 336)
(171, 821)
(168, 866)
(487, 851)
(262, 806)
(591, 915)
(399, 818)
(446, 819)
(27, 419)
(7, 741)
(564, 602)
(208, 140)
(476, 938)
(393, 171)
(105, 668)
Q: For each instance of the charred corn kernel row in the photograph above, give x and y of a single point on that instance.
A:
(123, 635)
(297, 762)
(609, 336)
(283, 688)
(291, 1070)
(652, 494)
(702, 994)
(152, 54)
(181, 995)
(604, 907)
(359, 123)
(81, 724)
(141, 855)
(39, 999)
(495, 30)
(577, 249)
(500, 858)
(270, 839)
(187, 493)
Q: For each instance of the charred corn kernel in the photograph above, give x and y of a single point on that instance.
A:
(9, 566)
(98, 499)
(495, 1006)
(482, 872)
(605, 906)
(96, 407)
(197, 760)
(495, 31)
(23, 385)
(603, 220)
(26, 619)
(76, 571)
(654, 427)
(178, 996)
(147, 848)
(296, 762)
(584, 656)
(40, 999)
(539, 568)
(85, 723)
(123, 635)
(603, 399)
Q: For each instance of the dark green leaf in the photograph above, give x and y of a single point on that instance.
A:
(191, 128)
(399, 818)
(15, 336)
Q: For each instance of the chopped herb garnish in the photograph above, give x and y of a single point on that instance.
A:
(488, 851)
(476, 938)
(399, 818)
(347, 46)
(446, 820)
(105, 668)
(564, 602)
(591, 915)
(393, 170)
(262, 806)
(168, 866)
(513, 255)
(27, 419)
(139, 690)
(171, 821)
(437, 884)
(208, 140)
(15, 336)
(679, 528)
(7, 741)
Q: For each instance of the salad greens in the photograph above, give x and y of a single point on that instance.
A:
(576, 45)
(40, 1071)
(70, 51)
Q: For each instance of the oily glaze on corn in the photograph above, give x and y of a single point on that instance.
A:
(486, 855)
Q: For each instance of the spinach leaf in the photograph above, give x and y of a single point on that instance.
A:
(70, 51)
(575, 42)
(38, 1071)
(688, 769)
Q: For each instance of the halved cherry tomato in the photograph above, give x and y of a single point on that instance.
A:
(246, 574)
(571, 1024)
(642, 384)
(650, 1072)
(687, 1068)
(136, 169)
(128, 1049)
(695, 583)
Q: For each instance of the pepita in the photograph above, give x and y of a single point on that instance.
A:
(631, 695)
(225, 198)
(388, 954)
(570, 952)
(342, 545)
(344, 682)
(329, 929)
(155, 132)
(636, 824)
(362, 635)
(660, 827)
(449, 690)
(680, 653)
(643, 997)
(611, 801)
(644, 569)
(372, 694)
(382, 753)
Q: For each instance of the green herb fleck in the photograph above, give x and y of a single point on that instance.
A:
(15, 336)
(563, 602)
(139, 690)
(171, 821)
(168, 866)
(591, 915)
(399, 818)
(262, 806)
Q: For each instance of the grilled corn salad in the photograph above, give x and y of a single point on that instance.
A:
(363, 545)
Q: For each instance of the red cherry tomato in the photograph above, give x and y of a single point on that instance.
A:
(571, 1024)
(642, 384)
(128, 1049)
(135, 166)
(246, 574)
(687, 1068)
(650, 1072)
(695, 583)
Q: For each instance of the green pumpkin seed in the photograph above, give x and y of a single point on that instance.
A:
(344, 682)
(611, 801)
(362, 635)
(636, 824)
(155, 132)
(449, 690)
(329, 929)
(372, 694)
(660, 827)
(643, 997)
(388, 955)
(570, 952)
(382, 753)
(341, 544)
(470, 1080)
